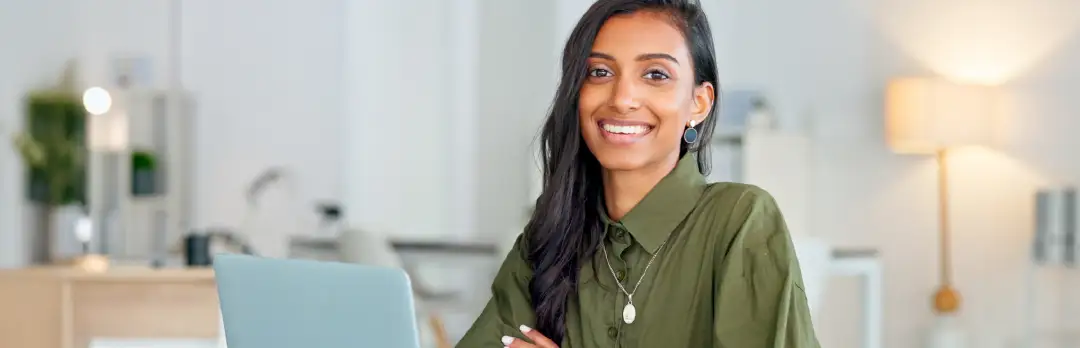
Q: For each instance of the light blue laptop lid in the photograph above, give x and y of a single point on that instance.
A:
(278, 303)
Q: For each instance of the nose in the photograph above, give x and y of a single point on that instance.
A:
(624, 99)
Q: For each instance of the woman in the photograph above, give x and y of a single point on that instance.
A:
(628, 245)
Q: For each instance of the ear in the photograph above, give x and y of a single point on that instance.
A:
(704, 98)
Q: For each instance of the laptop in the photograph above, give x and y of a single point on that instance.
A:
(289, 303)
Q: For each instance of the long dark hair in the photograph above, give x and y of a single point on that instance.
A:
(565, 227)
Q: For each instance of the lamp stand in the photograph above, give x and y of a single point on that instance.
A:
(946, 299)
(946, 332)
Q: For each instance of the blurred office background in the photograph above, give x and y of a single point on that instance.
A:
(402, 133)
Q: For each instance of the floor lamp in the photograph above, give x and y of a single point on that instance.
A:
(933, 116)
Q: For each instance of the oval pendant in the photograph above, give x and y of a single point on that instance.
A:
(629, 313)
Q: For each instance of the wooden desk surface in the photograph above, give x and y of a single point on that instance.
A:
(114, 274)
(65, 307)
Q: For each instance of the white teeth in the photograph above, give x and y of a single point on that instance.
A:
(625, 129)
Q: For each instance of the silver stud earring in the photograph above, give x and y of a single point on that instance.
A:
(690, 136)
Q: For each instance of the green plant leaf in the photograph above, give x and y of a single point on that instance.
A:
(53, 147)
(30, 149)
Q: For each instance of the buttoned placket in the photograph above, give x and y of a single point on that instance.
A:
(620, 241)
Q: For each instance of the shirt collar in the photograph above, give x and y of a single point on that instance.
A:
(653, 219)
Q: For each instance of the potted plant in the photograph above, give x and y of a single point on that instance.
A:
(54, 151)
(143, 173)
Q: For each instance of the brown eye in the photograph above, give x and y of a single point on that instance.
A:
(656, 75)
(599, 73)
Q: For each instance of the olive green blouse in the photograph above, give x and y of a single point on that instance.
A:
(727, 276)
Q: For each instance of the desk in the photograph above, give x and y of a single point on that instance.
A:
(154, 343)
(61, 307)
(866, 265)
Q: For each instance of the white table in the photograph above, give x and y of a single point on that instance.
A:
(864, 264)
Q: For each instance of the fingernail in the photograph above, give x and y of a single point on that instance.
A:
(525, 329)
(507, 340)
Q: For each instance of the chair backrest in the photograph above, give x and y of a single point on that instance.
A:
(364, 247)
(815, 259)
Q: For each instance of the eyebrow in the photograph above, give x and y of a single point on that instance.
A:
(640, 57)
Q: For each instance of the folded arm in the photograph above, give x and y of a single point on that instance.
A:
(510, 305)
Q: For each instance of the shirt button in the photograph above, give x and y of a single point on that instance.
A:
(619, 234)
(620, 274)
(612, 332)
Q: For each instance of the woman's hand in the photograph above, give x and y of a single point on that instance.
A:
(541, 341)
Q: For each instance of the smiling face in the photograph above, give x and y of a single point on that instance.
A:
(640, 94)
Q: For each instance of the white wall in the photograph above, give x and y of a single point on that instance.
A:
(268, 78)
(267, 75)
(37, 42)
(401, 112)
(390, 124)
(441, 124)
(826, 62)
(517, 82)
(111, 29)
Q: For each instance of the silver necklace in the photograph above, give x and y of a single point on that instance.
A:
(629, 312)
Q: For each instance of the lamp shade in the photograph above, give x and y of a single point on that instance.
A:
(925, 115)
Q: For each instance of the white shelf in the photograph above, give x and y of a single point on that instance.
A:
(867, 266)
(157, 121)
